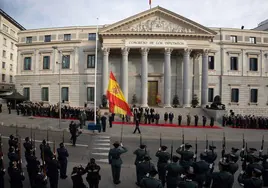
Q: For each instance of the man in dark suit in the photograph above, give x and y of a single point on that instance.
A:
(137, 128)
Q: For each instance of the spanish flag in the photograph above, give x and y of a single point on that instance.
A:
(158, 99)
(117, 101)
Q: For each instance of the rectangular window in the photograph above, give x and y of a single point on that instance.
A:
(3, 78)
(3, 65)
(11, 79)
(234, 63)
(26, 93)
(210, 94)
(91, 61)
(65, 61)
(67, 37)
(46, 62)
(253, 64)
(5, 28)
(29, 40)
(90, 93)
(5, 42)
(64, 94)
(12, 32)
(254, 95)
(27, 63)
(235, 95)
(252, 40)
(233, 38)
(92, 36)
(47, 38)
(211, 62)
(4, 53)
(44, 94)
(12, 45)
(10, 67)
(11, 56)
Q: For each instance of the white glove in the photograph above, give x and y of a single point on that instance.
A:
(182, 176)
(159, 149)
(182, 145)
(242, 172)
(205, 150)
(194, 155)
(260, 151)
(242, 149)
(147, 175)
(4, 170)
(121, 145)
(210, 166)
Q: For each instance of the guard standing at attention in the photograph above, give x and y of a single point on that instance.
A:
(53, 172)
(204, 121)
(163, 158)
(174, 171)
(144, 167)
(63, 160)
(151, 181)
(115, 161)
(93, 174)
(187, 156)
(103, 123)
(188, 120)
(179, 119)
(196, 120)
(140, 153)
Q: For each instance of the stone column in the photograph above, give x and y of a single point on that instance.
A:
(124, 71)
(186, 78)
(144, 77)
(196, 77)
(105, 70)
(19, 65)
(37, 62)
(167, 78)
(204, 84)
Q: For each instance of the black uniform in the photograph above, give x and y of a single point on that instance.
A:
(204, 121)
(174, 171)
(93, 175)
(171, 117)
(16, 177)
(115, 161)
(137, 128)
(40, 180)
(53, 173)
(63, 160)
(196, 118)
(103, 123)
(163, 158)
(252, 182)
(111, 121)
(166, 117)
(2, 173)
(201, 169)
(140, 153)
(77, 178)
(186, 155)
(179, 119)
(151, 181)
(32, 168)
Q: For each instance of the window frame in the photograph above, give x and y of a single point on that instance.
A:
(29, 40)
(3, 65)
(210, 89)
(250, 64)
(233, 38)
(233, 100)
(44, 57)
(11, 56)
(212, 60)
(28, 96)
(68, 97)
(90, 36)
(4, 53)
(3, 77)
(5, 41)
(10, 79)
(44, 97)
(91, 65)
(237, 61)
(47, 37)
(24, 64)
(251, 96)
(252, 41)
(67, 37)
(5, 28)
(90, 96)
(64, 63)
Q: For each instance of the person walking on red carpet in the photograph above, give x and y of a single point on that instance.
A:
(137, 128)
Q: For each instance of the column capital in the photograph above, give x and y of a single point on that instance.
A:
(125, 51)
(144, 51)
(105, 51)
(196, 55)
(187, 51)
(205, 52)
(168, 51)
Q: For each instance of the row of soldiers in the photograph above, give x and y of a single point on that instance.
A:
(52, 166)
(185, 171)
(246, 121)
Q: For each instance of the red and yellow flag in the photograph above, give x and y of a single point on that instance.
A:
(117, 101)
(158, 99)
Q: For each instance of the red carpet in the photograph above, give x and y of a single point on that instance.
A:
(170, 125)
(247, 128)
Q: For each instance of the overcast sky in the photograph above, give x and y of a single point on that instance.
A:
(57, 13)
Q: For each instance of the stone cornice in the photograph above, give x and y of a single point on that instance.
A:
(243, 44)
(47, 43)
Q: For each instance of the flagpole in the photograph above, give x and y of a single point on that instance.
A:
(96, 68)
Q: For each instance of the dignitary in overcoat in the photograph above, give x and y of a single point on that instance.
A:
(63, 160)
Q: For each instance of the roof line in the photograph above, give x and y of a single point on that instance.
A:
(9, 18)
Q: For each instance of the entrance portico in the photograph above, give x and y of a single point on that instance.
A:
(164, 34)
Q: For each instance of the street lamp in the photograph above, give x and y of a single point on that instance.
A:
(56, 48)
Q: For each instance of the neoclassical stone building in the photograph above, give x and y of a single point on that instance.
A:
(154, 52)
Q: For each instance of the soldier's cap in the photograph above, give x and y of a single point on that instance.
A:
(142, 145)
(61, 144)
(203, 155)
(233, 155)
(163, 147)
(234, 149)
(175, 157)
(252, 150)
(257, 171)
(153, 172)
(223, 163)
(116, 143)
(27, 138)
(44, 141)
(188, 145)
(256, 157)
(212, 147)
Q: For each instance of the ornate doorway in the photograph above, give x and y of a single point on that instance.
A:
(152, 92)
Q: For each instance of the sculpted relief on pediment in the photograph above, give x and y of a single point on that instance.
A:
(157, 24)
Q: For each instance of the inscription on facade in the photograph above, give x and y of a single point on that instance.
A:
(155, 43)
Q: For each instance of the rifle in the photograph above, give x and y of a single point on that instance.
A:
(243, 140)
(183, 139)
(171, 152)
(1, 153)
(19, 153)
(54, 148)
(140, 139)
(121, 139)
(223, 145)
(244, 163)
(195, 150)
(47, 135)
(206, 142)
(32, 134)
(160, 140)
(17, 131)
(262, 144)
(44, 163)
(63, 136)
(34, 144)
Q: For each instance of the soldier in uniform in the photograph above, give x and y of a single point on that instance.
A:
(145, 118)
(2, 171)
(223, 178)
(115, 161)
(45, 152)
(12, 142)
(103, 123)
(40, 180)
(93, 174)
(186, 155)
(63, 160)
(179, 119)
(233, 166)
(33, 166)
(189, 176)
(53, 172)
(28, 147)
(140, 153)
(157, 117)
(174, 171)
(137, 128)
(254, 181)
(16, 176)
(210, 158)
(77, 178)
(201, 169)
(170, 117)
(13, 156)
(163, 158)
(151, 181)
(188, 120)
(212, 121)
(265, 170)
(166, 117)
(111, 121)
(196, 120)
(204, 121)
(143, 168)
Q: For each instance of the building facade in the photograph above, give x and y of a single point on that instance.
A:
(153, 52)
(9, 29)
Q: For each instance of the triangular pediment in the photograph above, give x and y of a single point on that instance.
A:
(157, 21)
